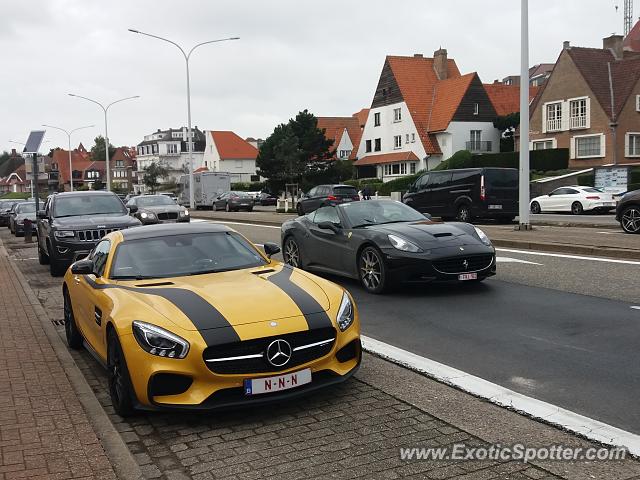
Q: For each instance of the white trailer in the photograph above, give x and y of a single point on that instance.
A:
(208, 186)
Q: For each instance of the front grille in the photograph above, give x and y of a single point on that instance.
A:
(168, 216)
(258, 347)
(94, 235)
(474, 263)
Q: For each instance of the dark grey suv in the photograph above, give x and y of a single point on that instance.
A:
(72, 223)
(628, 212)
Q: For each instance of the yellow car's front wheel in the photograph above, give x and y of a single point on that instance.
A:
(120, 388)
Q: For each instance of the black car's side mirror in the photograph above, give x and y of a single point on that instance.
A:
(271, 249)
(329, 226)
(132, 209)
(41, 214)
(82, 267)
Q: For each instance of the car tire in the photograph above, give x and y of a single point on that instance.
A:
(74, 337)
(120, 389)
(630, 219)
(43, 258)
(292, 248)
(463, 214)
(56, 267)
(577, 208)
(299, 209)
(250, 209)
(535, 208)
(372, 270)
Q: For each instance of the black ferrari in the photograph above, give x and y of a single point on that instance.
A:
(384, 243)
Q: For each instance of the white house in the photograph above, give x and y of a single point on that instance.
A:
(227, 152)
(424, 111)
(345, 133)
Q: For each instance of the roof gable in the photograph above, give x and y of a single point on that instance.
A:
(447, 96)
(506, 98)
(231, 147)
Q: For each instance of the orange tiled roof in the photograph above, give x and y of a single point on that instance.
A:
(334, 128)
(231, 147)
(362, 116)
(446, 99)
(79, 160)
(506, 98)
(386, 158)
(632, 40)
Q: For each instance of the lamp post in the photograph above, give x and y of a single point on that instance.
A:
(187, 56)
(106, 131)
(524, 222)
(69, 132)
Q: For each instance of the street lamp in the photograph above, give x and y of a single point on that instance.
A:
(106, 131)
(524, 222)
(69, 132)
(187, 56)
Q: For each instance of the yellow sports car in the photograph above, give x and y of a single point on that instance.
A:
(195, 316)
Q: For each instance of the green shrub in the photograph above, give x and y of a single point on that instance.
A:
(15, 195)
(541, 160)
(586, 179)
(633, 186)
(398, 185)
(248, 186)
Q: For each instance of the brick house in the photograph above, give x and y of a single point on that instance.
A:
(591, 105)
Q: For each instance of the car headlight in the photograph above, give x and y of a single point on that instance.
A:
(158, 341)
(184, 213)
(64, 234)
(148, 215)
(345, 313)
(404, 245)
(483, 236)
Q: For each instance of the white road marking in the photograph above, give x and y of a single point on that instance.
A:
(515, 260)
(546, 412)
(612, 233)
(240, 223)
(573, 257)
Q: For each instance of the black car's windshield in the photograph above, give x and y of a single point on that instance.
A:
(73, 205)
(345, 191)
(26, 208)
(154, 201)
(188, 254)
(378, 212)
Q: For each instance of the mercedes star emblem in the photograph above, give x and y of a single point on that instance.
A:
(279, 353)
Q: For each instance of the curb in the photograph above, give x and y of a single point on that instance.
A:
(116, 450)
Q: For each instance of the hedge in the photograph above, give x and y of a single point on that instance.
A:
(15, 195)
(541, 160)
(248, 186)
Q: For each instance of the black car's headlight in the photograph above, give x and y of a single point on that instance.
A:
(403, 244)
(483, 236)
(184, 213)
(346, 313)
(148, 215)
(64, 234)
(158, 341)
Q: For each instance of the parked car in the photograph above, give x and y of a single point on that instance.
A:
(384, 243)
(266, 199)
(22, 211)
(628, 212)
(466, 194)
(234, 201)
(72, 223)
(5, 210)
(152, 209)
(234, 328)
(574, 199)
(326, 195)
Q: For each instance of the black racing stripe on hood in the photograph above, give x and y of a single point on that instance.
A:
(313, 312)
(210, 323)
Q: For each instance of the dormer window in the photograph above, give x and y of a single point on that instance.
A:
(476, 108)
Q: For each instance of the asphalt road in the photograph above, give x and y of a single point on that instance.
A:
(558, 329)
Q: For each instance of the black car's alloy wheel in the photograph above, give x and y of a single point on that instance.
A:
(464, 214)
(120, 388)
(56, 267)
(372, 270)
(577, 208)
(630, 219)
(299, 209)
(292, 253)
(74, 337)
(535, 208)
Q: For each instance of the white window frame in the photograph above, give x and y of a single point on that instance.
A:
(627, 145)
(377, 119)
(397, 142)
(574, 147)
(637, 103)
(397, 115)
(413, 138)
(579, 122)
(476, 109)
(546, 122)
(407, 139)
(554, 142)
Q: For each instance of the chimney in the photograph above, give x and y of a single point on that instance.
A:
(440, 64)
(566, 45)
(614, 43)
(418, 55)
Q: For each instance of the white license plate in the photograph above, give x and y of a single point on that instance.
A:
(609, 204)
(468, 276)
(277, 384)
(495, 207)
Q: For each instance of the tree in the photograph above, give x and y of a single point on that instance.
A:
(97, 185)
(97, 151)
(508, 125)
(152, 175)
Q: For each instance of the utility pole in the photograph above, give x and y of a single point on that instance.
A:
(524, 223)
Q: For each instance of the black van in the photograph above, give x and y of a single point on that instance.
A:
(466, 194)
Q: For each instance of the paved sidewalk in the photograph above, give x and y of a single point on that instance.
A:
(45, 432)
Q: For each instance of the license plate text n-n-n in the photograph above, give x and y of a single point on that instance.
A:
(259, 386)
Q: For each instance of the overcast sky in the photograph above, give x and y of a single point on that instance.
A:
(293, 54)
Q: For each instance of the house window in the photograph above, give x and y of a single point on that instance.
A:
(633, 144)
(376, 119)
(378, 144)
(345, 153)
(476, 139)
(367, 146)
(154, 148)
(638, 103)
(403, 169)
(397, 141)
(578, 110)
(412, 168)
(172, 148)
(476, 108)
(542, 145)
(554, 117)
(413, 138)
(397, 115)
(395, 169)
(588, 146)
(407, 138)
(119, 163)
